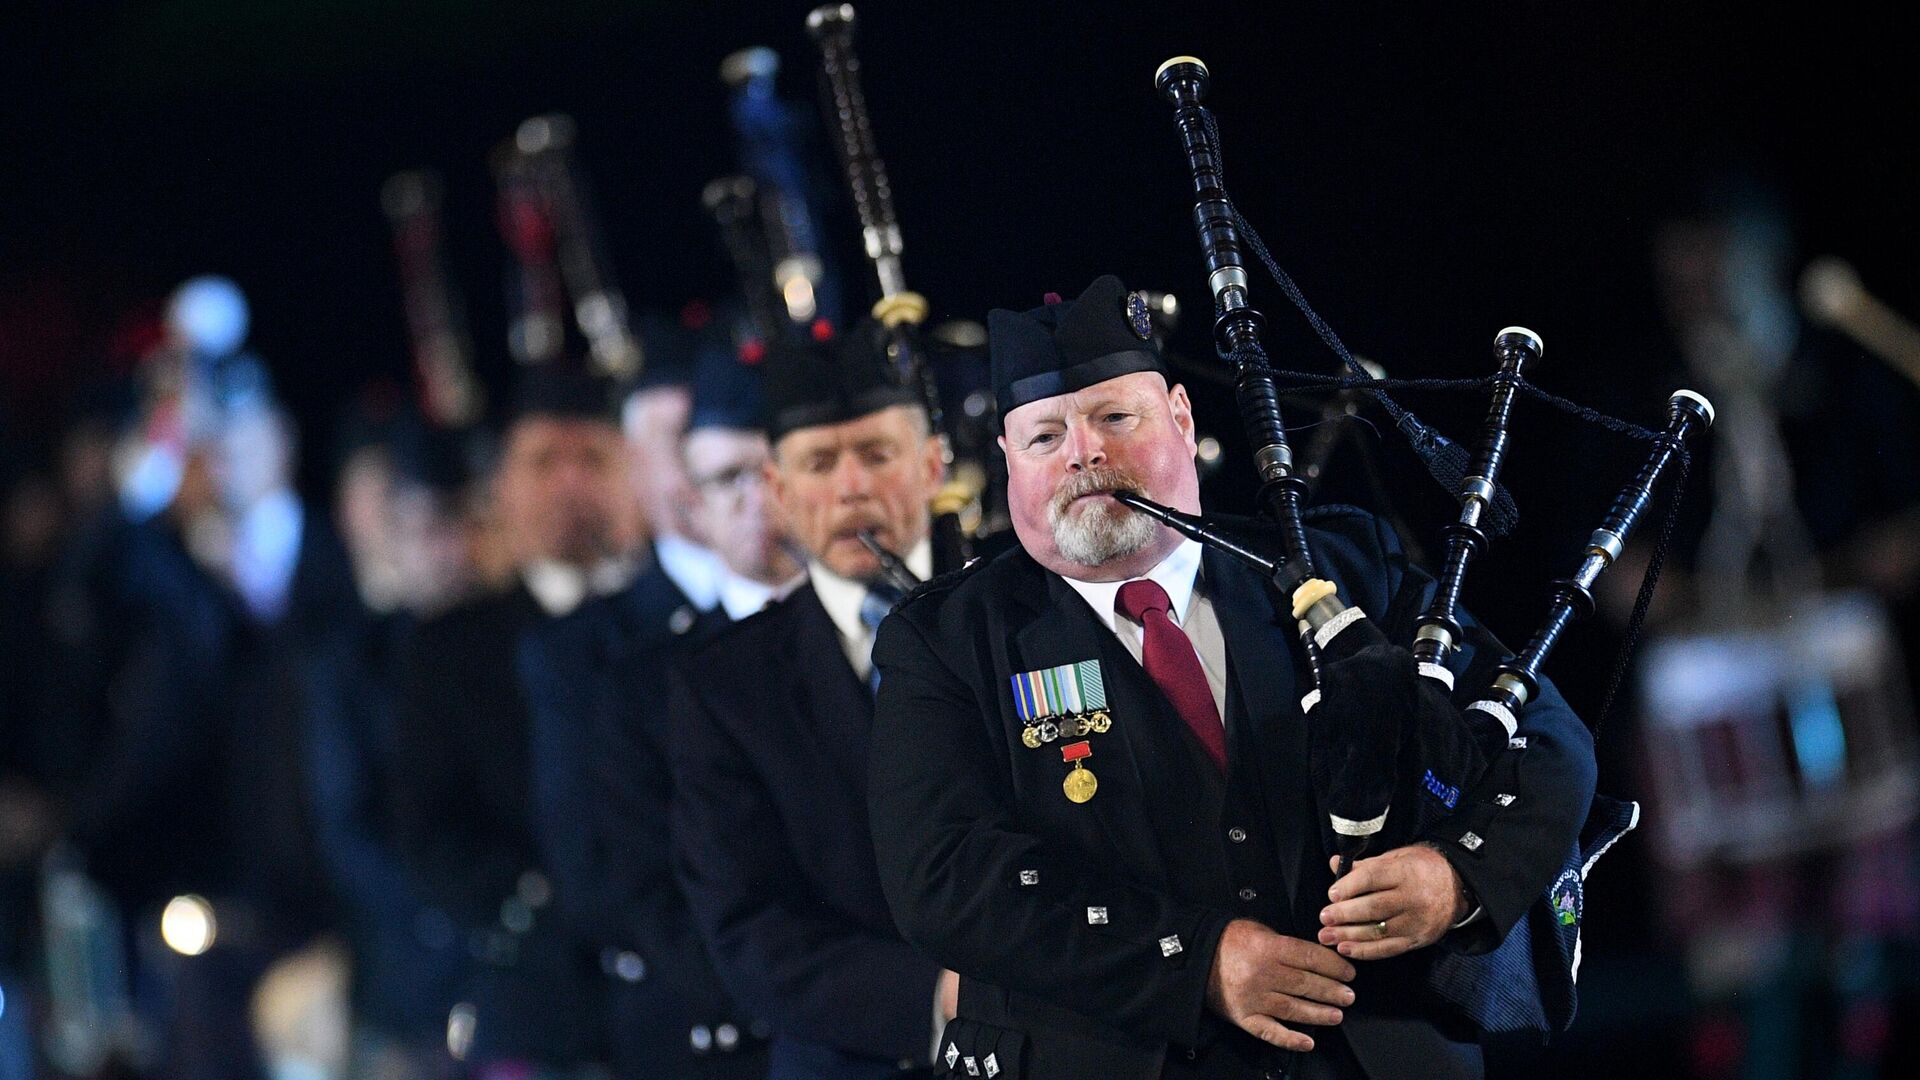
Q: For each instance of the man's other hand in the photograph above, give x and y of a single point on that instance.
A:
(1261, 978)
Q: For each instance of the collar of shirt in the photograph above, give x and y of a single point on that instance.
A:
(561, 587)
(1175, 573)
(742, 596)
(842, 597)
(694, 569)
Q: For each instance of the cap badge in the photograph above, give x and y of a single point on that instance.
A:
(1139, 315)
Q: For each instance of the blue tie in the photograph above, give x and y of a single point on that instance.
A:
(874, 607)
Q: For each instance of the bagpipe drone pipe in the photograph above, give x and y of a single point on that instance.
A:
(1412, 730)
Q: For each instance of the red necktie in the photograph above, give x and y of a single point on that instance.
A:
(1172, 663)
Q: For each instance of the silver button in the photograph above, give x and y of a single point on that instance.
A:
(973, 1065)
(1170, 945)
(681, 620)
(1471, 842)
(1503, 800)
(1096, 916)
(1029, 877)
(1237, 834)
(702, 1038)
(726, 1036)
(1248, 894)
(992, 1062)
(953, 1054)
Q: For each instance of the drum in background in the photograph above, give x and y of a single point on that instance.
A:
(1777, 739)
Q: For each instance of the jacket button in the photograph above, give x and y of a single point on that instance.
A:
(1248, 894)
(1237, 834)
(702, 1038)
(1193, 1055)
(726, 1037)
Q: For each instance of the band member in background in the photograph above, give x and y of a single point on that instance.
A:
(396, 505)
(596, 684)
(1144, 894)
(465, 813)
(770, 724)
(654, 418)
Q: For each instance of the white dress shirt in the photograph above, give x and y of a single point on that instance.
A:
(561, 587)
(742, 596)
(1191, 610)
(694, 569)
(842, 598)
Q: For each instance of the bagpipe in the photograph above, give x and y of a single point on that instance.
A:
(547, 219)
(1379, 711)
(964, 502)
(450, 393)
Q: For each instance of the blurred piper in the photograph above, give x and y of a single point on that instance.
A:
(596, 683)
(465, 814)
(395, 497)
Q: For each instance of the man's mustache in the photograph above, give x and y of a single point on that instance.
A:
(1098, 480)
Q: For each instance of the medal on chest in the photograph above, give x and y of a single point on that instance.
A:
(1065, 702)
(1080, 783)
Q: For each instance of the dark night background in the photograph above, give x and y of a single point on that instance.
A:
(1428, 173)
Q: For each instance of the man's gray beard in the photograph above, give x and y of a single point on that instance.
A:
(1102, 531)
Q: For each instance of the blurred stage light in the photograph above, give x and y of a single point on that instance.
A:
(187, 925)
(209, 313)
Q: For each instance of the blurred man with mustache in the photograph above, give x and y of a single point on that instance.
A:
(1088, 776)
(770, 726)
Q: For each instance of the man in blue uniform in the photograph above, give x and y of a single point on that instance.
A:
(1089, 779)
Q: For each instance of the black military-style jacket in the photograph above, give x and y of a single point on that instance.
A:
(1084, 932)
(770, 728)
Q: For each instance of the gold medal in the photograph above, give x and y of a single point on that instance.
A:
(1080, 784)
(1100, 721)
(1031, 737)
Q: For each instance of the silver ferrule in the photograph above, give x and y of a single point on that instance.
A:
(1323, 611)
(1274, 462)
(1477, 487)
(1603, 542)
(882, 241)
(1434, 632)
(1228, 277)
(1512, 684)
